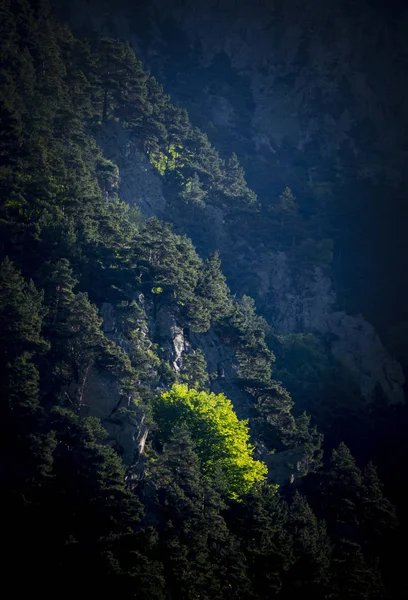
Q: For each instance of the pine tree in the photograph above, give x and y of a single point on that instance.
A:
(111, 72)
(153, 130)
(213, 289)
(168, 264)
(26, 447)
(96, 540)
(235, 188)
(192, 191)
(22, 313)
(352, 577)
(59, 293)
(193, 370)
(193, 533)
(132, 102)
(344, 486)
(312, 549)
(260, 522)
(379, 517)
(311, 440)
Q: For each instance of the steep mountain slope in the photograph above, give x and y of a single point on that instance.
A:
(305, 302)
(298, 100)
(308, 95)
(106, 321)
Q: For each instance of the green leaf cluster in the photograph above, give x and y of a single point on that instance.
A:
(222, 440)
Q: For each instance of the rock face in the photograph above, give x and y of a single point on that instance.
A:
(222, 365)
(273, 76)
(102, 397)
(305, 303)
(139, 184)
(309, 305)
(359, 348)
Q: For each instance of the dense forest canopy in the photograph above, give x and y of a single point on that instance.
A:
(195, 504)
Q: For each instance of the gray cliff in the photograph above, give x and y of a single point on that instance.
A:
(302, 303)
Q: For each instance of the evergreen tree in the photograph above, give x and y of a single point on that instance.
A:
(260, 522)
(192, 191)
(352, 577)
(234, 184)
(310, 572)
(207, 529)
(311, 440)
(211, 302)
(194, 540)
(26, 447)
(193, 370)
(344, 486)
(379, 517)
(213, 289)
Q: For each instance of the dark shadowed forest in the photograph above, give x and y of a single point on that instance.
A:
(202, 330)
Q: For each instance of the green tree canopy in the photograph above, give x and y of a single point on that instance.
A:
(222, 440)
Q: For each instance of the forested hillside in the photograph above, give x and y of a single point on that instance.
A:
(323, 248)
(132, 462)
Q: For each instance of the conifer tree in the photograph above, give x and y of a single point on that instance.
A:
(193, 532)
(310, 571)
(260, 522)
(193, 370)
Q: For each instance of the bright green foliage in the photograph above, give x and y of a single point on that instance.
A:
(222, 440)
(167, 162)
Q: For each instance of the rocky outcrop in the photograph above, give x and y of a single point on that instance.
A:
(139, 183)
(307, 73)
(309, 305)
(222, 367)
(221, 361)
(102, 397)
(286, 466)
(303, 303)
(169, 333)
(124, 421)
(275, 75)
